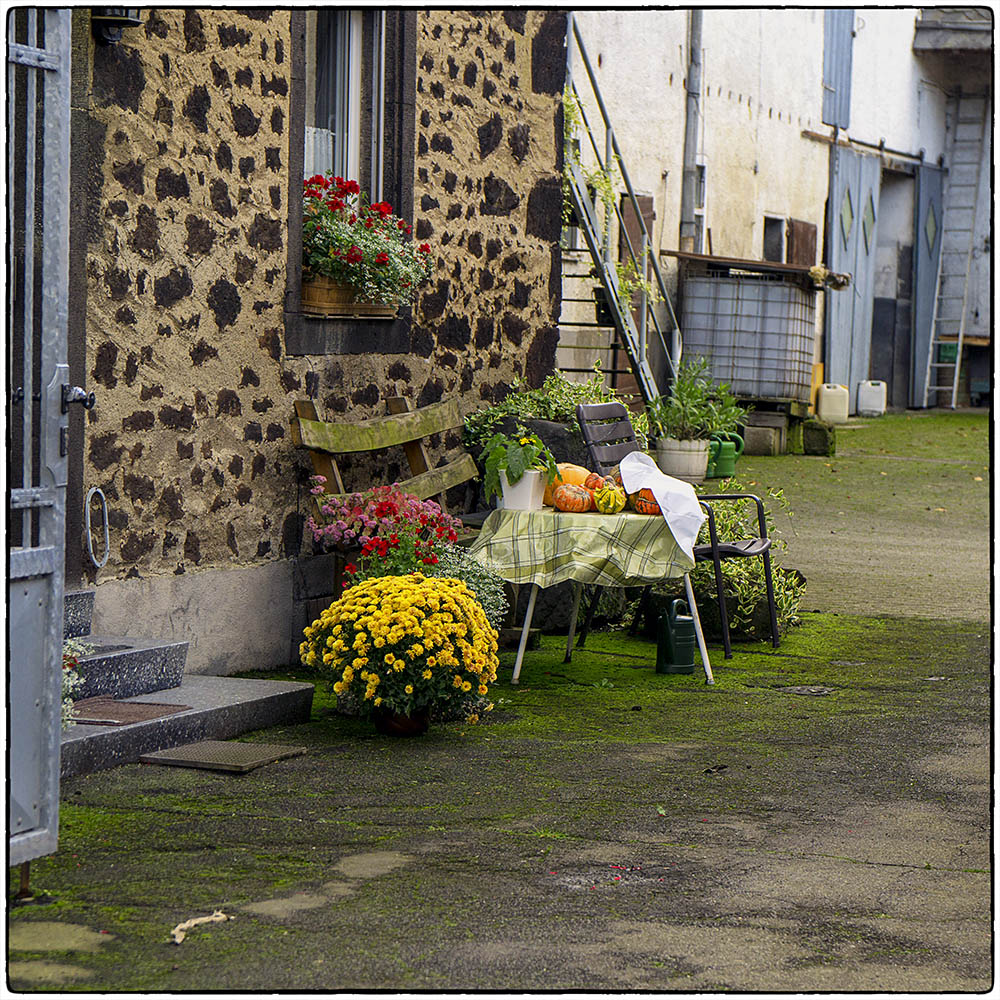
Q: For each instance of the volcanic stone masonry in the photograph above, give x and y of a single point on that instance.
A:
(186, 257)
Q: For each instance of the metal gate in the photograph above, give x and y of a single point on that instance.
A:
(38, 118)
(851, 225)
(928, 230)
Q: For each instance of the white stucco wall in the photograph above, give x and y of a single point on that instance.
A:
(893, 96)
(762, 77)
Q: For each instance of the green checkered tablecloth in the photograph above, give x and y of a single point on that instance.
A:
(548, 547)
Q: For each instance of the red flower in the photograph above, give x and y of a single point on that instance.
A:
(424, 248)
(409, 229)
(347, 187)
(354, 255)
(351, 568)
(368, 223)
(382, 258)
(352, 219)
(400, 224)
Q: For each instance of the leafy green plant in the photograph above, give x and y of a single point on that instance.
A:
(556, 399)
(455, 562)
(696, 408)
(600, 181)
(631, 282)
(72, 650)
(514, 456)
(743, 579)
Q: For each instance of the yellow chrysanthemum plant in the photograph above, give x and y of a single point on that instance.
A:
(405, 645)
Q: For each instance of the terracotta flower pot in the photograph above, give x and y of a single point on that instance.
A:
(324, 297)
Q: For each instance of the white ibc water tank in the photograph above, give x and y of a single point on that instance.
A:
(832, 403)
(871, 398)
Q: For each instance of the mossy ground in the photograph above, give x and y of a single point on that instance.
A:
(605, 828)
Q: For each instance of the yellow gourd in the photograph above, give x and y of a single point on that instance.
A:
(608, 499)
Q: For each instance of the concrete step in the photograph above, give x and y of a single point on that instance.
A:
(78, 613)
(221, 708)
(124, 666)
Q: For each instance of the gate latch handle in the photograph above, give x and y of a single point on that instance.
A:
(74, 394)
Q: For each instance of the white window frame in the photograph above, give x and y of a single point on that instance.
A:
(325, 150)
(700, 203)
(770, 217)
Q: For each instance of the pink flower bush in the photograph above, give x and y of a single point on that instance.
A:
(378, 514)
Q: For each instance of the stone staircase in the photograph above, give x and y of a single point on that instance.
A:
(147, 670)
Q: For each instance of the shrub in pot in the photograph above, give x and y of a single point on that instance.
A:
(683, 423)
(404, 647)
(519, 467)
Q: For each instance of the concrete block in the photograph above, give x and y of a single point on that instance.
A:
(818, 438)
(793, 441)
(232, 619)
(762, 440)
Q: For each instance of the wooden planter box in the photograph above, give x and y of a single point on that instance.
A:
(325, 297)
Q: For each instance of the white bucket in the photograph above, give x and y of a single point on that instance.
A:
(526, 493)
(686, 460)
(832, 403)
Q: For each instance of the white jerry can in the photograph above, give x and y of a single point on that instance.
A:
(871, 398)
(833, 403)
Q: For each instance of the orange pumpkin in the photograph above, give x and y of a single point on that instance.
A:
(594, 481)
(571, 498)
(644, 502)
(569, 473)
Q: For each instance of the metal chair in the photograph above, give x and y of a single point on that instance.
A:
(609, 436)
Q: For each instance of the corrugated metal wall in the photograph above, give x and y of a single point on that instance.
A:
(838, 47)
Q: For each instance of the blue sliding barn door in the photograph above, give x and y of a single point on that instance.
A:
(851, 225)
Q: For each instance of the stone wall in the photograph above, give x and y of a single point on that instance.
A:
(186, 235)
(186, 268)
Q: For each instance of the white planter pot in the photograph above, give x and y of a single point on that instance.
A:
(526, 493)
(686, 460)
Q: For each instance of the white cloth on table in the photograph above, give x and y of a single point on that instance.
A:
(677, 499)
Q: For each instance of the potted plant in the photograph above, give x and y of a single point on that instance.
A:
(357, 258)
(683, 423)
(404, 646)
(548, 411)
(520, 467)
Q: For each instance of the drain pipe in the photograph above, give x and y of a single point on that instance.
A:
(691, 122)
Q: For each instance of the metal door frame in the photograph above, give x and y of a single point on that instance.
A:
(926, 263)
(38, 157)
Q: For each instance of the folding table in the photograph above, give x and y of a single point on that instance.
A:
(545, 547)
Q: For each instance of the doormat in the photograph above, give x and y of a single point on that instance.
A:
(222, 755)
(105, 711)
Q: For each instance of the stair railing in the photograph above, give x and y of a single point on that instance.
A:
(635, 340)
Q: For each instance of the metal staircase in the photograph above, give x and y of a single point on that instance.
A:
(638, 328)
(957, 244)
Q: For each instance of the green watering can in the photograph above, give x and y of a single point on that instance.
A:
(723, 451)
(675, 641)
